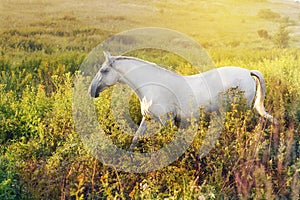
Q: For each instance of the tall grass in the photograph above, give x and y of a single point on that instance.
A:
(43, 156)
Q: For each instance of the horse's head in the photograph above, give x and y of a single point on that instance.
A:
(105, 77)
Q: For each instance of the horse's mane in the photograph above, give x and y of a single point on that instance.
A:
(134, 58)
(143, 61)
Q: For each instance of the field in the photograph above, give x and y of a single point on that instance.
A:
(44, 43)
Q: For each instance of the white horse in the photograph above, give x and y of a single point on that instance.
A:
(166, 95)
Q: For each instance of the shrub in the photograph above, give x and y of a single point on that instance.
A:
(268, 14)
(10, 187)
(281, 38)
(263, 34)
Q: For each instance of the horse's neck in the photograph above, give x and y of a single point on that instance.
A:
(138, 73)
(139, 68)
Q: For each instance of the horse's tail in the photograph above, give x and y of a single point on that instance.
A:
(260, 95)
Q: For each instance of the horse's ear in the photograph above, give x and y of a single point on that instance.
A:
(107, 56)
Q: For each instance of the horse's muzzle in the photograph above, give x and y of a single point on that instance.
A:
(95, 89)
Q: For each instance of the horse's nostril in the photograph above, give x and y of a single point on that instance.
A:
(96, 95)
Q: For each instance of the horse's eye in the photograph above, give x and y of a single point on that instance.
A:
(104, 70)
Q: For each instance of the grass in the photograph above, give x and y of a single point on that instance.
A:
(42, 45)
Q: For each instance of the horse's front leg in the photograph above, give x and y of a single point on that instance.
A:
(141, 130)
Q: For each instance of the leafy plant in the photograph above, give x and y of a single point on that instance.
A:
(281, 38)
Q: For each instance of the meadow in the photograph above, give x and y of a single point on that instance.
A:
(43, 44)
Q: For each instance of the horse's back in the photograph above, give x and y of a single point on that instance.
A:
(208, 86)
(224, 78)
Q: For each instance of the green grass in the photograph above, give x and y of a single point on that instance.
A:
(42, 45)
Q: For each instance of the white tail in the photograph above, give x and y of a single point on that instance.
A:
(260, 96)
